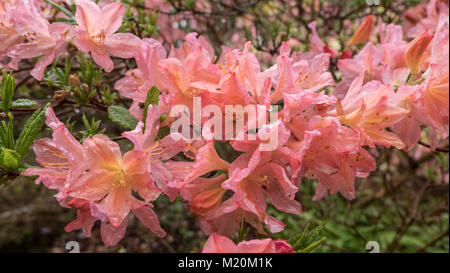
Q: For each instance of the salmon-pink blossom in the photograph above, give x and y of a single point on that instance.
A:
(96, 29)
(369, 109)
(111, 178)
(42, 37)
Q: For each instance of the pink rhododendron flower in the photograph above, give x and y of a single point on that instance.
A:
(204, 194)
(137, 82)
(425, 17)
(96, 29)
(333, 155)
(185, 68)
(298, 74)
(368, 110)
(428, 101)
(247, 69)
(369, 59)
(42, 38)
(60, 157)
(257, 174)
(8, 35)
(111, 178)
(158, 151)
(393, 46)
(86, 173)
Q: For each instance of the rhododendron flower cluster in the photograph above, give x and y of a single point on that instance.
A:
(325, 128)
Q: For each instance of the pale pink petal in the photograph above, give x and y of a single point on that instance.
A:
(219, 244)
(111, 235)
(103, 152)
(39, 67)
(149, 218)
(273, 224)
(207, 160)
(111, 17)
(117, 205)
(88, 15)
(92, 185)
(122, 45)
(103, 60)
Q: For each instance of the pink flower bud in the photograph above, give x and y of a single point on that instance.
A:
(415, 51)
(362, 34)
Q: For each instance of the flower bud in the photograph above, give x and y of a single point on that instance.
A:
(206, 201)
(415, 51)
(85, 88)
(362, 34)
(74, 80)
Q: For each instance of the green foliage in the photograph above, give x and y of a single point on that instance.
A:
(91, 128)
(226, 151)
(351, 224)
(163, 132)
(108, 97)
(190, 4)
(31, 129)
(151, 98)
(121, 116)
(309, 239)
(142, 23)
(9, 159)
(7, 133)
(70, 124)
(23, 103)
(82, 85)
(88, 73)
(7, 87)
(62, 9)
(13, 151)
(82, 94)
(57, 76)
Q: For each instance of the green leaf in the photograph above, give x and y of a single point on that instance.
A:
(31, 129)
(62, 9)
(312, 246)
(190, 4)
(308, 239)
(121, 116)
(64, 20)
(91, 128)
(7, 133)
(23, 103)
(7, 87)
(9, 159)
(226, 151)
(152, 98)
(297, 241)
(163, 132)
